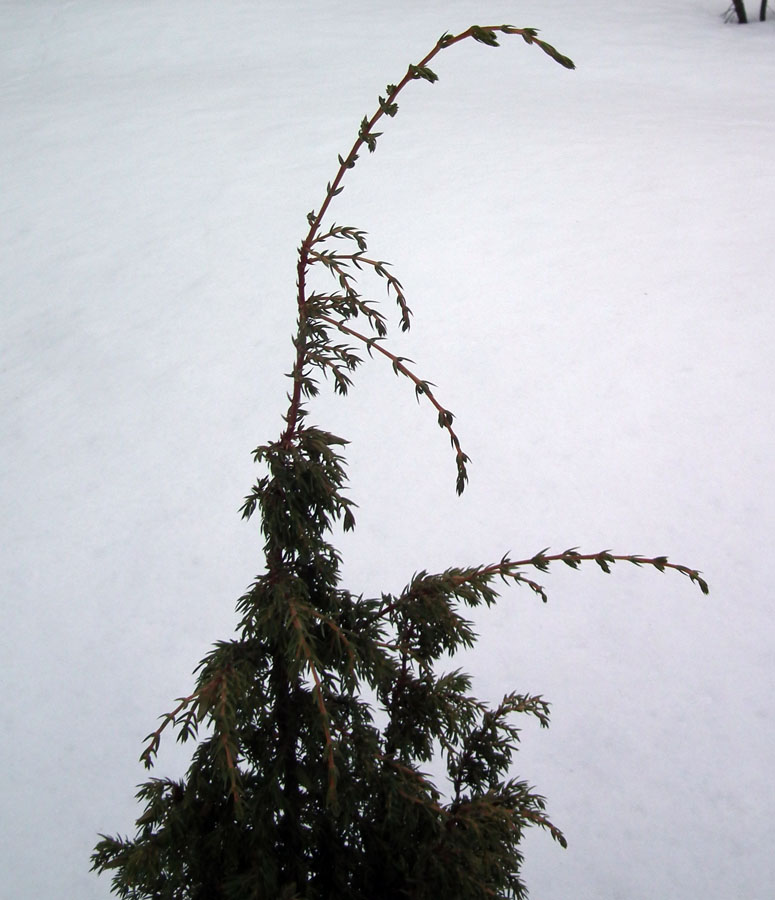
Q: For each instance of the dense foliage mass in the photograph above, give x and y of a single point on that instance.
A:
(318, 719)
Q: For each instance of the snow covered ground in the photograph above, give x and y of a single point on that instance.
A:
(590, 259)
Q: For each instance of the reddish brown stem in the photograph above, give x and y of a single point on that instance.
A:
(333, 189)
(422, 386)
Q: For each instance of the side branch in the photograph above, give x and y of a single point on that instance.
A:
(319, 698)
(604, 559)
(542, 820)
(421, 387)
(191, 717)
(227, 746)
(337, 261)
(473, 585)
(508, 568)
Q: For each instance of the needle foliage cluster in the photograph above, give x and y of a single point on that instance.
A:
(315, 725)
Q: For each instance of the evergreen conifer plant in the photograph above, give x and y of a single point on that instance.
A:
(315, 724)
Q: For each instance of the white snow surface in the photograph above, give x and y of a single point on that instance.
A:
(589, 256)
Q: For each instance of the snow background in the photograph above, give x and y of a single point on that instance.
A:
(589, 256)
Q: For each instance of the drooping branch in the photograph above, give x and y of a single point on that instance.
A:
(318, 693)
(510, 569)
(226, 741)
(605, 559)
(388, 106)
(473, 585)
(421, 387)
(189, 720)
(367, 136)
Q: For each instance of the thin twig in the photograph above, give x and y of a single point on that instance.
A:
(421, 387)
